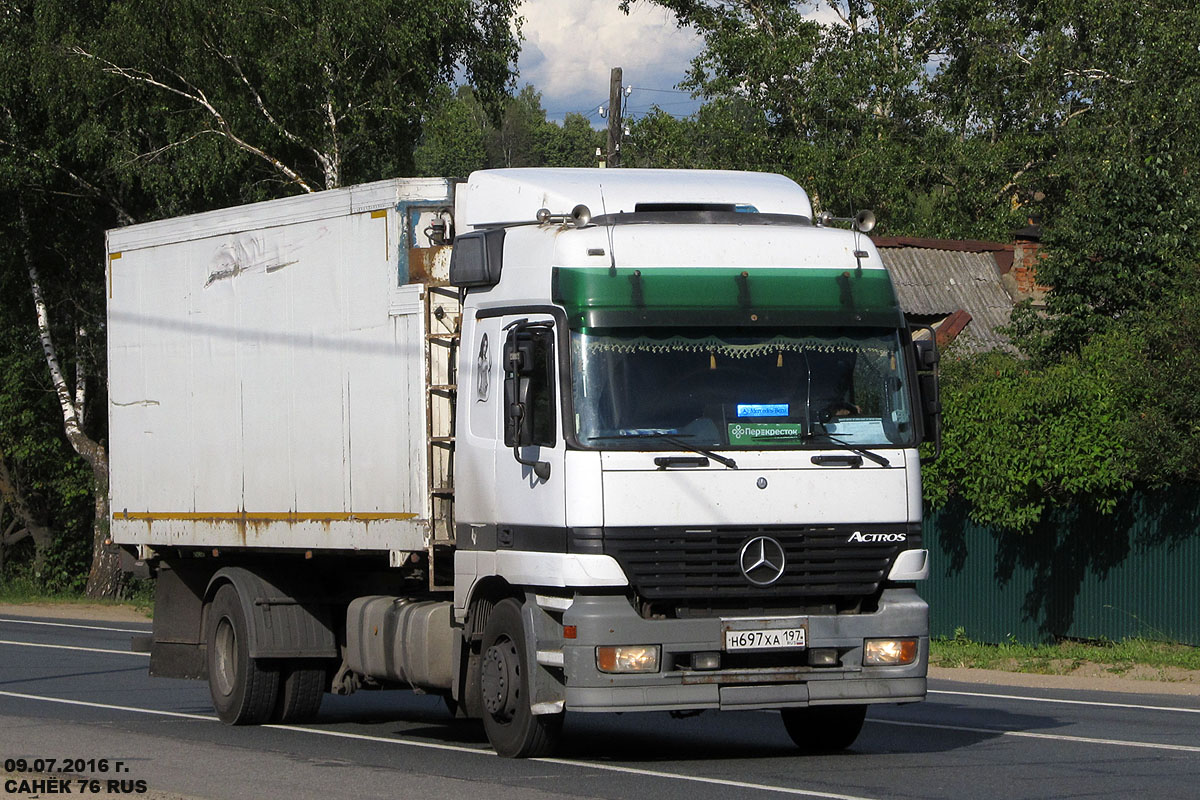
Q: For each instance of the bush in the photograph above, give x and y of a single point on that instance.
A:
(1021, 436)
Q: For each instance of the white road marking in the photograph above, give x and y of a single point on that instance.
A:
(1058, 737)
(73, 647)
(1098, 703)
(762, 787)
(70, 625)
(697, 779)
(90, 704)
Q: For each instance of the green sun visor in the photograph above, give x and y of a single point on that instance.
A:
(600, 297)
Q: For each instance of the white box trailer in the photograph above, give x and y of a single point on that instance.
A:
(269, 369)
(545, 440)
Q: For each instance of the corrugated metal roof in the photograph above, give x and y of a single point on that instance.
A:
(940, 282)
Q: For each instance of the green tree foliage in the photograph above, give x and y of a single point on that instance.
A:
(460, 137)
(954, 118)
(1017, 440)
(1021, 435)
(844, 107)
(315, 95)
(44, 490)
(723, 134)
(1120, 244)
(571, 144)
(1093, 103)
(49, 175)
(115, 111)
(455, 137)
(1155, 363)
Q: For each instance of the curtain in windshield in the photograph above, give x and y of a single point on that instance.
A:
(738, 388)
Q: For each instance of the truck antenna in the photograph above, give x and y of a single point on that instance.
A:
(608, 226)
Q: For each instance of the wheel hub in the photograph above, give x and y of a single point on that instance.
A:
(226, 666)
(500, 679)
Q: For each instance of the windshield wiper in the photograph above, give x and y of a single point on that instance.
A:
(858, 451)
(878, 459)
(670, 439)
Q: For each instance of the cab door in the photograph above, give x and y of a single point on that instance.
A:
(530, 450)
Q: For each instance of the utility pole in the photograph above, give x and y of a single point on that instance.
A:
(615, 99)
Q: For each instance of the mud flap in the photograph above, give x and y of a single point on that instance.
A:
(544, 647)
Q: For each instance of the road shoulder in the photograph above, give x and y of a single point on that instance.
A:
(1030, 680)
(93, 612)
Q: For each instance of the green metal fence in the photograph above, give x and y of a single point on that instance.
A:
(1080, 574)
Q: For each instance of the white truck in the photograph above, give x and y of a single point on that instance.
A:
(543, 440)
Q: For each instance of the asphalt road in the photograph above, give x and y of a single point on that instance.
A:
(72, 690)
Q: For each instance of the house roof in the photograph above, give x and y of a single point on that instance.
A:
(937, 278)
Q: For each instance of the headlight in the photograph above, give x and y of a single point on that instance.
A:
(628, 658)
(889, 652)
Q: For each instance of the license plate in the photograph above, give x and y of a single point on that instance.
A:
(765, 639)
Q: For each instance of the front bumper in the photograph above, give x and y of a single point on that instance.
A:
(610, 620)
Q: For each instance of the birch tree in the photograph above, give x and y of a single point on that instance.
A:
(303, 95)
(116, 111)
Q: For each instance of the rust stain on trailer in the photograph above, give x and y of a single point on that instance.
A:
(262, 518)
(425, 264)
(419, 263)
(111, 258)
(241, 524)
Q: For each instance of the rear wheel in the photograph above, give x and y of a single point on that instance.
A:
(824, 729)
(301, 689)
(244, 690)
(504, 679)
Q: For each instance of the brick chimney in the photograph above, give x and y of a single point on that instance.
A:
(1027, 247)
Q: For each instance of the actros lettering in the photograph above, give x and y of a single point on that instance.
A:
(868, 538)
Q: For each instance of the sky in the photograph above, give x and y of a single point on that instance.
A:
(571, 46)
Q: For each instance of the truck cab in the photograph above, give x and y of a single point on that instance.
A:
(689, 418)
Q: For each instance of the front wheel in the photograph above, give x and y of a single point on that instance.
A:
(504, 681)
(824, 729)
(244, 690)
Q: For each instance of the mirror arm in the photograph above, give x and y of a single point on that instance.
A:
(540, 468)
(937, 443)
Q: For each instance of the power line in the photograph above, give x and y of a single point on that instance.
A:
(664, 91)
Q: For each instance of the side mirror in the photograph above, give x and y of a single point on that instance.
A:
(529, 390)
(926, 359)
(477, 259)
(927, 353)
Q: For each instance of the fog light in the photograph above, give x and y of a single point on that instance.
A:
(823, 657)
(627, 658)
(706, 660)
(889, 652)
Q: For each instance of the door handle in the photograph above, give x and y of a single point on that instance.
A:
(837, 461)
(662, 462)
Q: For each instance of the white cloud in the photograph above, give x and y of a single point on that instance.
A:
(571, 45)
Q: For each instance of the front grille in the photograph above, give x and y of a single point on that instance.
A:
(688, 566)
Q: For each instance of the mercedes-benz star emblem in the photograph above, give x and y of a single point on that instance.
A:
(762, 560)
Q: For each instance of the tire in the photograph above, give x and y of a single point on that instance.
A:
(301, 689)
(824, 729)
(244, 690)
(504, 674)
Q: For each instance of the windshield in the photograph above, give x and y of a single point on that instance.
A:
(739, 388)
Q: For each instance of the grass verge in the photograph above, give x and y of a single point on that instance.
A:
(1067, 657)
(21, 590)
